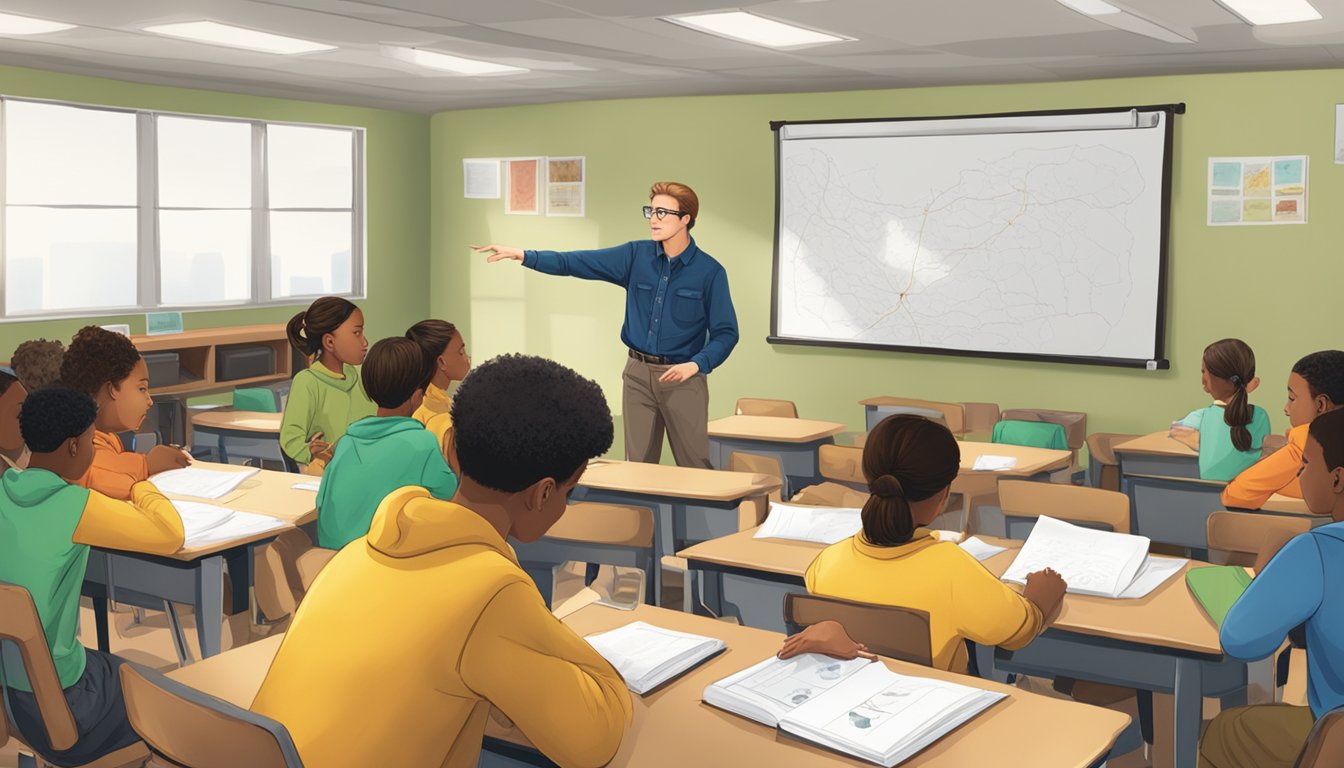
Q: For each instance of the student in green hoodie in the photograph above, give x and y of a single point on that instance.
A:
(47, 524)
(325, 398)
(382, 453)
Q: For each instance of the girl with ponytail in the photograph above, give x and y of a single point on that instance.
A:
(910, 463)
(326, 397)
(1229, 432)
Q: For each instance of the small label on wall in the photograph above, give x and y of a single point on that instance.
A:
(159, 323)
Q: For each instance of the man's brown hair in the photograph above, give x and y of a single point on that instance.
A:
(687, 202)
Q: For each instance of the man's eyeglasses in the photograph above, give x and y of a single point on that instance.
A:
(650, 212)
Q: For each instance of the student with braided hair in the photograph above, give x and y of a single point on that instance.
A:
(910, 463)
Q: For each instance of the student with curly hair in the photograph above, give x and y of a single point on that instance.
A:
(47, 524)
(524, 430)
(107, 367)
(325, 397)
(37, 363)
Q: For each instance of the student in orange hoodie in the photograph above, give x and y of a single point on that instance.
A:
(107, 367)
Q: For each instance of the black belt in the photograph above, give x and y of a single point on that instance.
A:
(650, 359)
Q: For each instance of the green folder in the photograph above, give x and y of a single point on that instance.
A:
(1217, 588)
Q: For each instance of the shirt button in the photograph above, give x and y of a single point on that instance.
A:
(664, 278)
(660, 299)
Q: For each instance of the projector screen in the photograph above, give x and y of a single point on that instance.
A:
(1035, 236)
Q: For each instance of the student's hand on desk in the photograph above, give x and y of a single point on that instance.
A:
(499, 252)
(319, 448)
(827, 637)
(1186, 436)
(1046, 589)
(679, 372)
(162, 458)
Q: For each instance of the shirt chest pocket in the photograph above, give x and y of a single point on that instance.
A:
(688, 305)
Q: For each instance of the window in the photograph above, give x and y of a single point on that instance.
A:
(108, 209)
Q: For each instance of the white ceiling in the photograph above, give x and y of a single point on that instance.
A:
(599, 49)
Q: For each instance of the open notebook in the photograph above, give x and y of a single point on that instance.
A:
(822, 525)
(857, 707)
(648, 656)
(207, 524)
(1100, 563)
(200, 483)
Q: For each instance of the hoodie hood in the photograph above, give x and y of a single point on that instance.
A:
(32, 487)
(377, 427)
(345, 383)
(410, 523)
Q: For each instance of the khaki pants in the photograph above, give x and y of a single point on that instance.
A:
(650, 406)
(1259, 736)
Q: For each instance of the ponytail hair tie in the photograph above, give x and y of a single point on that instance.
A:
(887, 487)
(1236, 381)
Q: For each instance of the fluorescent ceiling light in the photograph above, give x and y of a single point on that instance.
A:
(237, 37)
(757, 30)
(450, 63)
(1091, 7)
(27, 25)
(1118, 17)
(1272, 11)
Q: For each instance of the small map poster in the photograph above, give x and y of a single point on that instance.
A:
(523, 181)
(564, 186)
(1257, 190)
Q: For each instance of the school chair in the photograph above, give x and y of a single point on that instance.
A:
(1271, 444)
(186, 728)
(1235, 538)
(897, 633)
(980, 419)
(830, 494)
(1023, 502)
(1173, 510)
(759, 465)
(1103, 468)
(1074, 424)
(20, 625)
(1325, 744)
(950, 415)
(598, 534)
(283, 571)
(842, 464)
(758, 406)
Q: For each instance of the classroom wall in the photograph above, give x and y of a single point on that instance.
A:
(397, 186)
(1277, 287)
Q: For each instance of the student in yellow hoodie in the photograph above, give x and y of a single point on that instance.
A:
(415, 632)
(910, 463)
(325, 398)
(447, 350)
(47, 524)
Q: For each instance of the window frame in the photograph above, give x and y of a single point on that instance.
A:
(149, 284)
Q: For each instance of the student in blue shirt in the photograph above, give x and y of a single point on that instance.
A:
(1303, 585)
(1228, 434)
(670, 352)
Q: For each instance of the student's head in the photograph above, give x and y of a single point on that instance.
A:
(37, 363)
(909, 463)
(331, 326)
(1228, 373)
(525, 427)
(445, 348)
(672, 196)
(395, 374)
(57, 425)
(107, 367)
(1322, 475)
(1315, 386)
(12, 395)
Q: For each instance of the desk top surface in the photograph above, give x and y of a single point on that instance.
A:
(774, 429)
(1157, 444)
(242, 421)
(1072, 734)
(675, 482)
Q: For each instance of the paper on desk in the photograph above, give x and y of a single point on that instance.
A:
(308, 485)
(200, 483)
(989, 463)
(1152, 574)
(981, 550)
(952, 536)
(207, 524)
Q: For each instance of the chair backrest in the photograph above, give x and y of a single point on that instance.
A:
(898, 633)
(19, 624)
(1325, 743)
(954, 414)
(197, 730)
(1272, 443)
(615, 524)
(759, 406)
(980, 417)
(1103, 465)
(755, 463)
(1090, 507)
(1235, 538)
(1036, 434)
(1073, 422)
(262, 399)
(831, 495)
(843, 464)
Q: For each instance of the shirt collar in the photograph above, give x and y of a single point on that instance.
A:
(922, 538)
(687, 256)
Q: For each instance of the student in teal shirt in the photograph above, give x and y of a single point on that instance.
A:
(1228, 434)
(384, 452)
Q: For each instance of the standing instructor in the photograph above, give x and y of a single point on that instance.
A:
(679, 323)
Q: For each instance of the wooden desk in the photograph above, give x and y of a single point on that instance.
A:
(794, 442)
(875, 409)
(227, 419)
(673, 728)
(238, 436)
(197, 352)
(1157, 454)
(1163, 642)
(845, 462)
(689, 505)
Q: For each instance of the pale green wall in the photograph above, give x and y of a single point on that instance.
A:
(397, 195)
(1276, 287)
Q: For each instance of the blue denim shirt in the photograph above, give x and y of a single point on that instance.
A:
(701, 326)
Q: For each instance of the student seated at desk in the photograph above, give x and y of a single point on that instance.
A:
(47, 524)
(1315, 386)
(1229, 433)
(910, 463)
(447, 352)
(107, 367)
(410, 637)
(384, 452)
(1302, 584)
(12, 395)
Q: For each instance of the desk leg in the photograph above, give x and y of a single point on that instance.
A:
(1189, 712)
(210, 603)
(240, 572)
(100, 624)
(664, 541)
